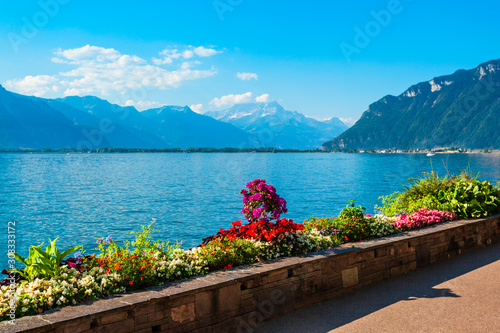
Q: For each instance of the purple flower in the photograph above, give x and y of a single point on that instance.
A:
(257, 197)
(257, 212)
(262, 201)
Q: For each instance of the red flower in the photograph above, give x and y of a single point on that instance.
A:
(130, 282)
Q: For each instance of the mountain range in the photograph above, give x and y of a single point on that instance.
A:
(90, 122)
(457, 110)
(276, 127)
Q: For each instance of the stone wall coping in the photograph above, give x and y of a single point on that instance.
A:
(173, 290)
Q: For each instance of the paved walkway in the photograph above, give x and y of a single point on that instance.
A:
(459, 295)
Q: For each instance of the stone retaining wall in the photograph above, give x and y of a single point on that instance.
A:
(236, 300)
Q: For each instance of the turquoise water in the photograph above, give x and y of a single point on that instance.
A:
(80, 197)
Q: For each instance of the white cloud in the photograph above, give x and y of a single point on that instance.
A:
(164, 61)
(187, 54)
(196, 107)
(169, 55)
(172, 53)
(232, 99)
(87, 52)
(34, 85)
(247, 76)
(262, 98)
(189, 64)
(103, 71)
(201, 51)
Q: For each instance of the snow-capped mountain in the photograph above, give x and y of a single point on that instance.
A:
(276, 127)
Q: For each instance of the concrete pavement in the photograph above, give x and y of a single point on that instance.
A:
(461, 294)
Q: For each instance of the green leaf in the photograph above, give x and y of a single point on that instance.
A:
(48, 270)
(42, 253)
(45, 261)
(20, 258)
(70, 250)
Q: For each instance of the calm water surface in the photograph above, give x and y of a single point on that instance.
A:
(80, 197)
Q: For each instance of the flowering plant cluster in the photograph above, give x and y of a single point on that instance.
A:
(260, 230)
(51, 282)
(67, 287)
(261, 201)
(223, 253)
(381, 225)
(422, 218)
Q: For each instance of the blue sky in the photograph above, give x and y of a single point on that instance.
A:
(309, 56)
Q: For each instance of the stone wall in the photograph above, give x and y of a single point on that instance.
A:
(236, 300)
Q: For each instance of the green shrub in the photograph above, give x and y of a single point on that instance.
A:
(225, 253)
(352, 224)
(463, 195)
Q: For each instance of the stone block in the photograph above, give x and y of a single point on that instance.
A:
(328, 267)
(141, 320)
(183, 313)
(229, 298)
(277, 276)
(113, 318)
(205, 303)
(350, 277)
(123, 326)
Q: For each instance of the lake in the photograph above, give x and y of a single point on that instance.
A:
(80, 197)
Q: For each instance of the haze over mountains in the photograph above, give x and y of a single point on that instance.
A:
(461, 110)
(90, 122)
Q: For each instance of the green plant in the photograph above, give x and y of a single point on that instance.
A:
(463, 195)
(144, 243)
(225, 253)
(419, 193)
(327, 226)
(352, 223)
(468, 197)
(137, 261)
(30, 272)
(43, 264)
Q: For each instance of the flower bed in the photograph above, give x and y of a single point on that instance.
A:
(49, 282)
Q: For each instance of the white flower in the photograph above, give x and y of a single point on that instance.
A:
(24, 309)
(26, 301)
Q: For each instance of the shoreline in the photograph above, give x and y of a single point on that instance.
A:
(238, 151)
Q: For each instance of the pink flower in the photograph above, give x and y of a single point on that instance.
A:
(421, 218)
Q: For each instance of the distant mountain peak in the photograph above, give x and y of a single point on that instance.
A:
(281, 128)
(168, 109)
(461, 110)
